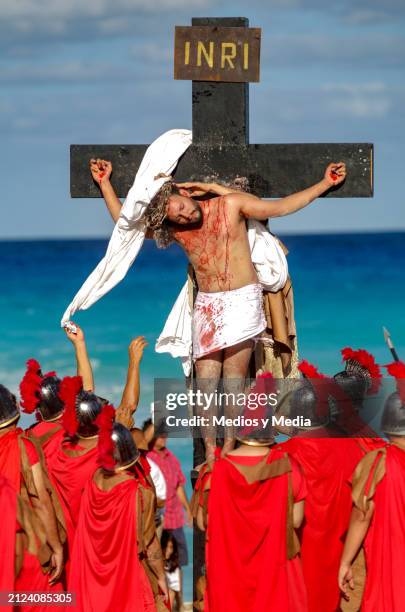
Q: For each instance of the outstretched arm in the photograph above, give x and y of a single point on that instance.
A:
(84, 368)
(130, 396)
(101, 172)
(199, 189)
(252, 207)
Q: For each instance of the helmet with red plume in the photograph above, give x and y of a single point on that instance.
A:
(393, 418)
(311, 400)
(257, 407)
(116, 446)
(81, 408)
(9, 412)
(40, 393)
(361, 376)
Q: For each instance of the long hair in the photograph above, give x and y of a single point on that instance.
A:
(172, 563)
(155, 215)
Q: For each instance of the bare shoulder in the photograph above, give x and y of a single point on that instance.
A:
(233, 202)
(232, 198)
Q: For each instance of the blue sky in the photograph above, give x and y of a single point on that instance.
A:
(101, 71)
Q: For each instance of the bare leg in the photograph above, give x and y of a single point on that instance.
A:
(236, 364)
(208, 370)
(179, 594)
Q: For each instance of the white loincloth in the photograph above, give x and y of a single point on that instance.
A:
(226, 318)
(272, 271)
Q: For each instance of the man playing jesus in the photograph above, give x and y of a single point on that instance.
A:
(228, 311)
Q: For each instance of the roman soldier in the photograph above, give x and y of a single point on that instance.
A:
(359, 383)
(40, 395)
(116, 530)
(378, 515)
(250, 504)
(75, 460)
(41, 562)
(328, 460)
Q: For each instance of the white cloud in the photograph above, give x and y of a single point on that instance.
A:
(362, 100)
(152, 52)
(47, 24)
(24, 123)
(374, 49)
(366, 16)
(348, 7)
(76, 71)
(55, 15)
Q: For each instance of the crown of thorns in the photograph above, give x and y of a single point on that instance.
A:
(156, 211)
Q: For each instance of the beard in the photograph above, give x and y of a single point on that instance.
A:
(197, 214)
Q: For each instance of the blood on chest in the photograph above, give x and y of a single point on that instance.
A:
(208, 245)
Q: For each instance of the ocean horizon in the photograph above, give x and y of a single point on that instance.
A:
(346, 287)
(105, 237)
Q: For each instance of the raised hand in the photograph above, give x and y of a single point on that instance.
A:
(101, 170)
(335, 173)
(75, 337)
(136, 349)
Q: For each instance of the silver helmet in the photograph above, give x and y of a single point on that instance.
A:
(125, 452)
(9, 412)
(361, 375)
(88, 407)
(50, 405)
(40, 393)
(306, 403)
(393, 418)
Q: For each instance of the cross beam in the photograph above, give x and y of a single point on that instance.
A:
(273, 170)
(221, 148)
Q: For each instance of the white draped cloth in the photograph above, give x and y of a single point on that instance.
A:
(129, 232)
(159, 162)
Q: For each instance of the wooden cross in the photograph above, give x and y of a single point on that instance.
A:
(221, 140)
(214, 54)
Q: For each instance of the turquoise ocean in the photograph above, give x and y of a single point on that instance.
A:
(346, 287)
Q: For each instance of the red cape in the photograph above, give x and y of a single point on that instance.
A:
(328, 464)
(246, 553)
(385, 541)
(49, 435)
(106, 573)
(369, 444)
(8, 505)
(69, 476)
(31, 576)
(10, 460)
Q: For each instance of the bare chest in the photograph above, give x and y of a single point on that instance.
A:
(213, 239)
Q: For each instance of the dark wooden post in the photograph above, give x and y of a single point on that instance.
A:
(216, 123)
